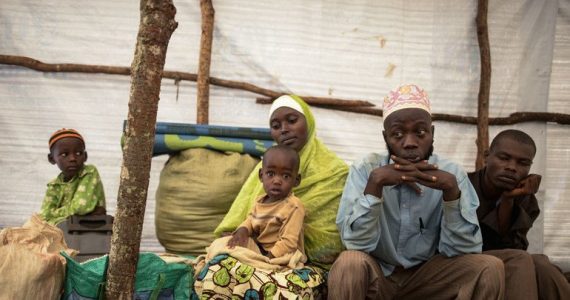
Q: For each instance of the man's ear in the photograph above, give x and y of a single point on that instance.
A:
(486, 155)
(432, 130)
(384, 136)
(50, 158)
(298, 180)
(85, 156)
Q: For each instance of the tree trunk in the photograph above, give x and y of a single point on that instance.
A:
(156, 26)
(204, 61)
(484, 83)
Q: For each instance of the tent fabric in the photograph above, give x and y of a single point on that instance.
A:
(346, 49)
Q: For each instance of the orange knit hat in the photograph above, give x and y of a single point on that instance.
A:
(64, 133)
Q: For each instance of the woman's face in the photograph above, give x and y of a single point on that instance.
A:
(289, 128)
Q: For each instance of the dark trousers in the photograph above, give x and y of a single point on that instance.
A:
(356, 275)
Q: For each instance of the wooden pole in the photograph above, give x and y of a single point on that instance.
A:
(98, 69)
(155, 29)
(205, 59)
(357, 106)
(484, 83)
(514, 118)
(320, 102)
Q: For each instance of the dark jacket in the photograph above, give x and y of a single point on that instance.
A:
(525, 212)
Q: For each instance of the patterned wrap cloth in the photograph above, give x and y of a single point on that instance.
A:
(225, 277)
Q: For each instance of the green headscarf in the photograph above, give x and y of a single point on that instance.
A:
(323, 175)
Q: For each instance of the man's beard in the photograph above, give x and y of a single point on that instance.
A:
(428, 154)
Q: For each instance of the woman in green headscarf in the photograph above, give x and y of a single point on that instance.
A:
(322, 180)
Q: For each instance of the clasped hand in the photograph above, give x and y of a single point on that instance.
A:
(412, 174)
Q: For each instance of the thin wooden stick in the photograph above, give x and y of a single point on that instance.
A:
(520, 117)
(93, 69)
(319, 101)
(37, 65)
(514, 118)
(484, 84)
(203, 95)
(274, 95)
(369, 109)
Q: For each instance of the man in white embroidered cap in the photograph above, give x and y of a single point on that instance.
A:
(408, 218)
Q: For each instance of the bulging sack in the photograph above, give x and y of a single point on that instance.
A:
(196, 189)
(30, 264)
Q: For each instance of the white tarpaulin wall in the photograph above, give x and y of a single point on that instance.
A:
(344, 49)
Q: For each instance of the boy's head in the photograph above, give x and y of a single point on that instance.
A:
(509, 159)
(67, 150)
(279, 171)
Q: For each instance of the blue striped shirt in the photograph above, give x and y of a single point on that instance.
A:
(403, 228)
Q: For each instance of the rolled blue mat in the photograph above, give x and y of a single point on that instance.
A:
(213, 130)
(174, 137)
(169, 143)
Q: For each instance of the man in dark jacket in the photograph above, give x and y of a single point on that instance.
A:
(508, 206)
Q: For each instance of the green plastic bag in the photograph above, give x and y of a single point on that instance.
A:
(155, 279)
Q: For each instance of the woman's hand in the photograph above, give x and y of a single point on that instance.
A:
(239, 238)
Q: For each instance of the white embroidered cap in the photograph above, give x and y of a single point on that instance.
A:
(406, 96)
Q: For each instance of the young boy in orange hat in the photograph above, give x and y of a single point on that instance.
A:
(78, 189)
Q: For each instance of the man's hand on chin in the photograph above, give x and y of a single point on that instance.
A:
(527, 186)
